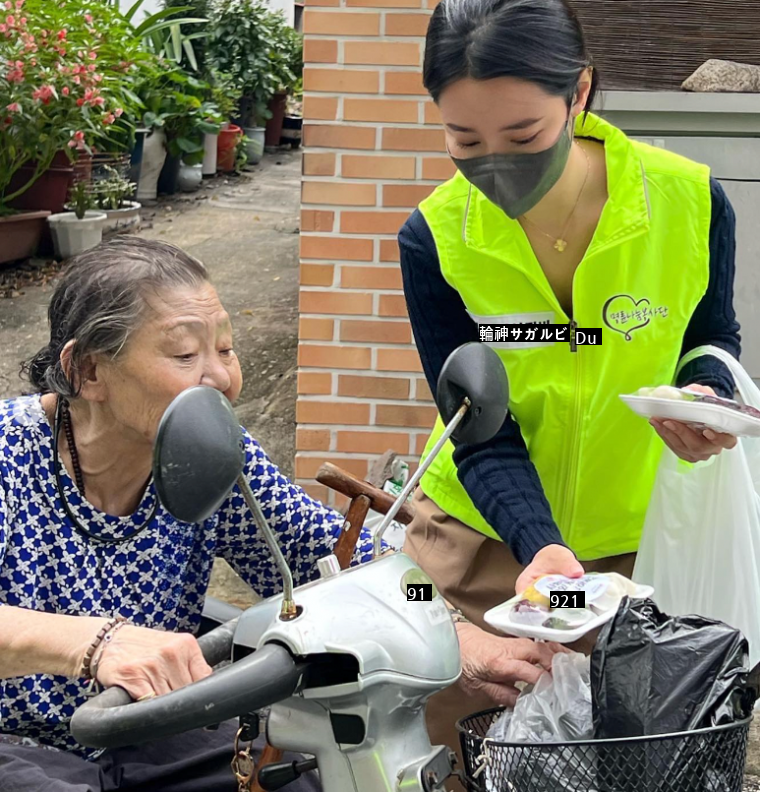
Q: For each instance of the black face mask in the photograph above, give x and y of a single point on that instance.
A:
(517, 182)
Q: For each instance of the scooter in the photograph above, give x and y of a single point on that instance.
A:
(344, 664)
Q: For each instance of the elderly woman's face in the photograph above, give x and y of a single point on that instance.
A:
(186, 341)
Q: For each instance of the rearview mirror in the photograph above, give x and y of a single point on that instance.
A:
(475, 372)
(198, 454)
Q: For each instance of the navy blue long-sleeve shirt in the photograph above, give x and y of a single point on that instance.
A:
(498, 475)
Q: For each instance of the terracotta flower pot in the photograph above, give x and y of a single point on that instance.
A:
(51, 190)
(21, 234)
(227, 143)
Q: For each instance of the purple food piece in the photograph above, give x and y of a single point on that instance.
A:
(745, 409)
(526, 612)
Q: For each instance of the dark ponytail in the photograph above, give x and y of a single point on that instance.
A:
(540, 41)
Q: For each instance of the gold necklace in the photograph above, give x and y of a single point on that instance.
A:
(560, 243)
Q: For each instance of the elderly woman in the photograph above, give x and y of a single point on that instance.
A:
(83, 538)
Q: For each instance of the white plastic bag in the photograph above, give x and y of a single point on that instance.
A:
(556, 709)
(700, 547)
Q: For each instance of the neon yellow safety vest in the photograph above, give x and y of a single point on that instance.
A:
(643, 275)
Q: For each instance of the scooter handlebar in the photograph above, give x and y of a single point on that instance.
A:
(111, 719)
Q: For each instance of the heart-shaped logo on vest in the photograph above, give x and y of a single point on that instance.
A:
(623, 314)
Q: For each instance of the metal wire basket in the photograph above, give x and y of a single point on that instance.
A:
(704, 760)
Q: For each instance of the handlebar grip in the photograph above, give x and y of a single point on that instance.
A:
(349, 485)
(111, 719)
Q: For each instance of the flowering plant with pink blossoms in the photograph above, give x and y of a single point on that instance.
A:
(66, 72)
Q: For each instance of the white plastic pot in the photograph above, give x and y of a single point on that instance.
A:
(210, 143)
(190, 177)
(255, 146)
(72, 236)
(154, 157)
(126, 218)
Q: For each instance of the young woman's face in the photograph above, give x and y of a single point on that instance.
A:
(503, 116)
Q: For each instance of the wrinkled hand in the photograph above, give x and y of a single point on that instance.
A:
(550, 560)
(493, 665)
(690, 444)
(146, 662)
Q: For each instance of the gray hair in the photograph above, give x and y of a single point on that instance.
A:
(101, 299)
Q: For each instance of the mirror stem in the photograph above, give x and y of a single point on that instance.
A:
(419, 473)
(288, 605)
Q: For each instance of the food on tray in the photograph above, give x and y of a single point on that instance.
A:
(617, 588)
(667, 392)
(603, 593)
(568, 618)
(533, 595)
(677, 394)
(555, 623)
(525, 612)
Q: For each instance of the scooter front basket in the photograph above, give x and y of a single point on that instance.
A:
(704, 760)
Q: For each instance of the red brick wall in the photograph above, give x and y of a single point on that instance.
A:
(373, 150)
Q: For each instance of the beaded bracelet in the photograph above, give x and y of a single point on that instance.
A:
(86, 671)
(107, 638)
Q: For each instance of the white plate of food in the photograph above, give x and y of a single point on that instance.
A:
(698, 410)
(528, 615)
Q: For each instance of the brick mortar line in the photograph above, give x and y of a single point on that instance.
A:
(338, 454)
(393, 68)
(335, 399)
(377, 38)
(368, 11)
(383, 320)
(370, 430)
(328, 262)
(400, 347)
(362, 180)
(352, 372)
(404, 125)
(378, 97)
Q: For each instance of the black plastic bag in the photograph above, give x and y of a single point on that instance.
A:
(656, 674)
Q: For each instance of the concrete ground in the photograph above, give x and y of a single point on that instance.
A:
(245, 229)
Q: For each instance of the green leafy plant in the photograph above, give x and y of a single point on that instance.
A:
(177, 103)
(112, 192)
(164, 32)
(225, 94)
(187, 46)
(81, 199)
(259, 50)
(66, 72)
(241, 154)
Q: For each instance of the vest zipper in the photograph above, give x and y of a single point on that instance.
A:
(573, 328)
(572, 464)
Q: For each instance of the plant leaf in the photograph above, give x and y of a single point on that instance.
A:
(190, 52)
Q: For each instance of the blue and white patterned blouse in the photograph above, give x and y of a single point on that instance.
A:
(158, 579)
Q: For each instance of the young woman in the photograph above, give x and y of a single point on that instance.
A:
(554, 217)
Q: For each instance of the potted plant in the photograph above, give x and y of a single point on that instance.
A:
(249, 43)
(79, 230)
(292, 128)
(113, 197)
(181, 115)
(286, 57)
(226, 96)
(64, 85)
